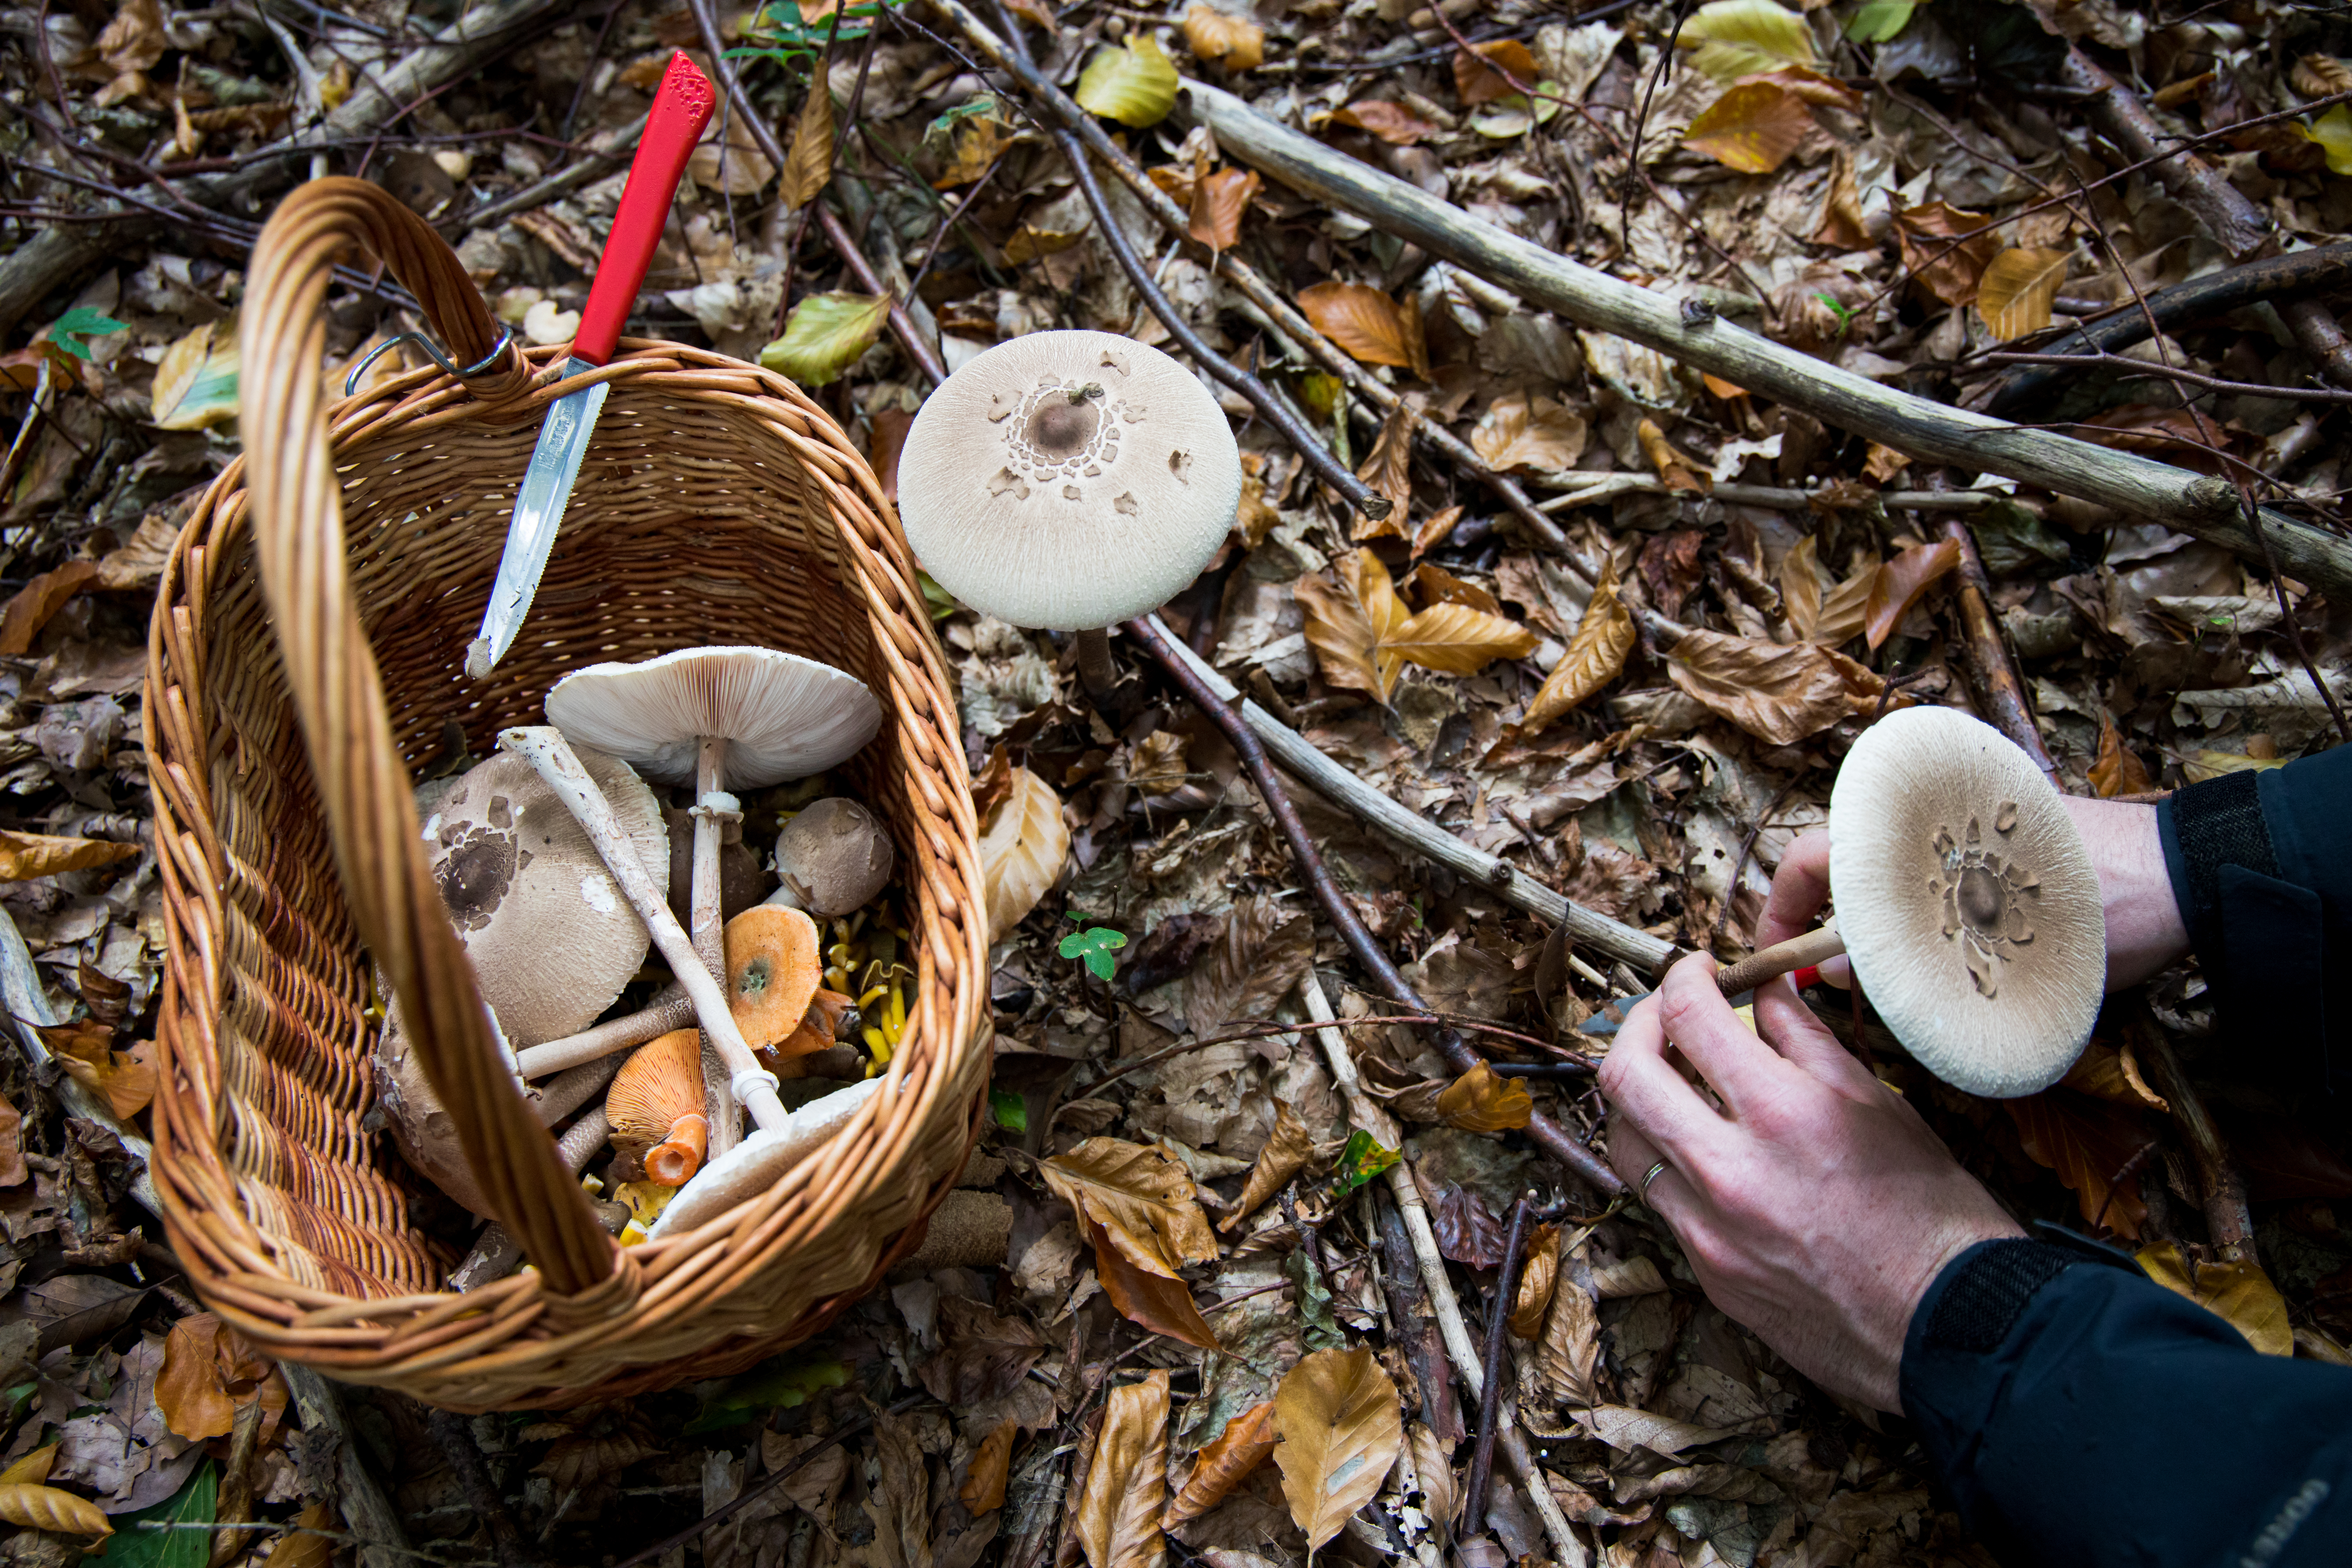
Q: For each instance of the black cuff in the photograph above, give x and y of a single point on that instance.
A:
(1986, 1288)
(2205, 827)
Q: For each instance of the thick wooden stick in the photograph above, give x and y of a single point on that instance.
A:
(2224, 211)
(2204, 507)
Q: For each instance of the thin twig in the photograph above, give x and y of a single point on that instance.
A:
(1498, 1319)
(1568, 1061)
(2170, 372)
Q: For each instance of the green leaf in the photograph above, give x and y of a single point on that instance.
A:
(1012, 1111)
(936, 599)
(1733, 39)
(1320, 391)
(1361, 1161)
(67, 331)
(1134, 84)
(2011, 539)
(2333, 132)
(940, 128)
(1321, 1324)
(782, 1383)
(1878, 21)
(133, 1546)
(824, 335)
(1094, 948)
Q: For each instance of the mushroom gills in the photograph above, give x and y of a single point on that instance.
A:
(655, 1105)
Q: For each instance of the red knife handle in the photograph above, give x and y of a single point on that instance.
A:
(682, 107)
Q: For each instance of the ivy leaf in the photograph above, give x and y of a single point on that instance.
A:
(1361, 1159)
(1094, 948)
(825, 336)
(1134, 84)
(68, 330)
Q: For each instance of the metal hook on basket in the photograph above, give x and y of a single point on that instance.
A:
(432, 350)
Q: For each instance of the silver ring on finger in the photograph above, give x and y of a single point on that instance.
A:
(1657, 1169)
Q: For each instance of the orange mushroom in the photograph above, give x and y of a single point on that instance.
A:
(656, 1104)
(772, 969)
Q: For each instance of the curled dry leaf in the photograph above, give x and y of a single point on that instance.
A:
(1516, 432)
(1392, 122)
(1139, 1208)
(46, 1507)
(1364, 322)
(983, 1482)
(2111, 1073)
(1595, 656)
(1481, 1101)
(1435, 528)
(1538, 1274)
(1118, 1511)
(1947, 267)
(1752, 128)
(2019, 290)
(1347, 620)
(1023, 844)
(1287, 1148)
(732, 165)
(1778, 692)
(1842, 611)
(23, 855)
(1240, 1448)
(1898, 584)
(1234, 42)
(1455, 639)
(1219, 200)
(1569, 1349)
(1388, 469)
(1161, 1302)
(2238, 1292)
(1134, 83)
(1263, 951)
(2117, 769)
(1482, 73)
(124, 1079)
(1341, 1426)
(32, 605)
(1436, 585)
(2084, 1142)
(1673, 468)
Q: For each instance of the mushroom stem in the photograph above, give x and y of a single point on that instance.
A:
(544, 747)
(496, 1254)
(1780, 958)
(575, 1086)
(713, 808)
(1096, 672)
(669, 1009)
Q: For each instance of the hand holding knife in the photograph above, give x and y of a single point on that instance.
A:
(683, 105)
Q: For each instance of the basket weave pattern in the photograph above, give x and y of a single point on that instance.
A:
(306, 654)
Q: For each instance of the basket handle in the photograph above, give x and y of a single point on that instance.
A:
(297, 510)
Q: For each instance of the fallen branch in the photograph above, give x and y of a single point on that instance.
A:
(2117, 113)
(1647, 954)
(1545, 1133)
(2000, 689)
(2195, 504)
(1498, 1318)
(2222, 1190)
(1592, 486)
(2318, 334)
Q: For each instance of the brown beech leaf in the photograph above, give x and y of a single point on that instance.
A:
(2086, 1142)
(984, 1483)
(1675, 468)
(1841, 223)
(1347, 621)
(23, 855)
(1455, 639)
(2238, 1292)
(1595, 656)
(808, 162)
(1263, 951)
(29, 610)
(1434, 529)
(1364, 322)
(1752, 128)
(1481, 1101)
(1538, 1275)
(1143, 1197)
(1569, 1348)
(1340, 1424)
(1287, 1148)
(1388, 469)
(1801, 587)
(1232, 42)
(1160, 1304)
(2111, 1073)
(189, 1391)
(124, 1079)
(51, 1509)
(2118, 770)
(1948, 271)
(1240, 1448)
(1436, 585)
(1778, 692)
(2019, 290)
(1219, 200)
(1392, 122)
(1842, 614)
(1516, 432)
(1468, 1231)
(981, 1355)
(1127, 1484)
(13, 1172)
(1481, 72)
(1899, 583)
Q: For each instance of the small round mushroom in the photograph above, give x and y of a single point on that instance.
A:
(742, 881)
(772, 970)
(832, 857)
(1068, 481)
(656, 1106)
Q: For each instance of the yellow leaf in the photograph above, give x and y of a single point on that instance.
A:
(2239, 1293)
(1118, 1511)
(1595, 656)
(1021, 846)
(305, 1544)
(46, 1507)
(2019, 290)
(1752, 128)
(1455, 639)
(984, 1483)
(824, 335)
(1733, 39)
(23, 855)
(1224, 1464)
(195, 381)
(1345, 623)
(32, 1470)
(1516, 432)
(2333, 132)
(1341, 1426)
(1134, 84)
(808, 163)
(1232, 42)
(1364, 322)
(1482, 1100)
(1286, 1154)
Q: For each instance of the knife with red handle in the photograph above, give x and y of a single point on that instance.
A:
(683, 105)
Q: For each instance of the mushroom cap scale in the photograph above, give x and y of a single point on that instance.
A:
(1068, 480)
(1970, 906)
(784, 716)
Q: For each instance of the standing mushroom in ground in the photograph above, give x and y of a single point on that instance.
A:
(1966, 902)
(717, 718)
(1068, 480)
(832, 857)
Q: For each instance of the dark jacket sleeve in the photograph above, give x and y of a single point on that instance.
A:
(2082, 1415)
(2262, 868)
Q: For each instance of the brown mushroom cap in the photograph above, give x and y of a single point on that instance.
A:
(772, 970)
(655, 1105)
(833, 857)
(1968, 904)
(551, 937)
(421, 1125)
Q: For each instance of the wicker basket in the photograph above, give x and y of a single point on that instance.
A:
(306, 651)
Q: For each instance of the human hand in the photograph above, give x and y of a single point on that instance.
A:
(1815, 1206)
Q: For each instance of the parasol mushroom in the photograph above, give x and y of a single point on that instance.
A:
(717, 718)
(1066, 481)
(656, 1107)
(670, 1009)
(742, 881)
(1967, 904)
(832, 857)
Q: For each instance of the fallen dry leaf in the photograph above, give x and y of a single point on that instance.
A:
(1392, 124)
(23, 855)
(1569, 1349)
(13, 1172)
(733, 165)
(1341, 1426)
(1434, 529)
(1516, 433)
(1844, 610)
(983, 1482)
(2084, 1142)
(1778, 692)
(124, 1079)
(1482, 1100)
(1482, 72)
(31, 606)
(2019, 290)
(309, 1542)
(1219, 200)
(2238, 1292)
(2111, 1073)
(1364, 322)
(1240, 1448)
(1675, 468)
(1539, 1274)
(1263, 951)
(1286, 1154)
(1898, 584)
(189, 1391)
(1595, 656)
(46, 1507)
(1733, 39)
(1139, 1206)
(1949, 270)
(1159, 1302)
(1455, 639)
(1752, 128)
(1232, 42)
(1801, 588)
(1347, 622)
(1388, 469)
(2117, 769)
(1127, 1484)
(1021, 846)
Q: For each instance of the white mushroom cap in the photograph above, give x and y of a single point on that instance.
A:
(551, 937)
(1068, 480)
(784, 717)
(1967, 901)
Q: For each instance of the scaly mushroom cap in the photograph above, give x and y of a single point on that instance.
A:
(1068, 480)
(1968, 904)
(552, 936)
(784, 717)
(772, 969)
(832, 857)
(656, 1104)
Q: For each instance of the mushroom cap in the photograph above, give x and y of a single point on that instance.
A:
(833, 857)
(421, 1125)
(773, 968)
(1068, 480)
(552, 936)
(1968, 904)
(655, 1105)
(784, 717)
